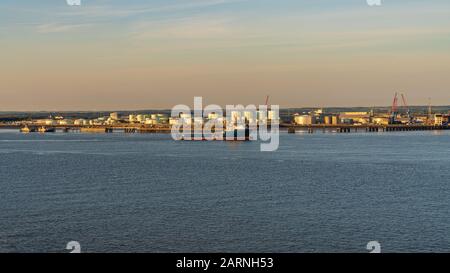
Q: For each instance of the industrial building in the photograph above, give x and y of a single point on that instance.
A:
(304, 120)
(355, 117)
(439, 120)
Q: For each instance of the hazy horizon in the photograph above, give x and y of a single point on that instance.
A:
(169, 109)
(137, 55)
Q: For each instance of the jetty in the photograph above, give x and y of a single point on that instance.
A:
(343, 128)
(290, 128)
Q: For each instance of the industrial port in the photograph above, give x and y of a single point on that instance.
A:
(398, 117)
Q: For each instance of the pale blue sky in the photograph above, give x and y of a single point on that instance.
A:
(143, 54)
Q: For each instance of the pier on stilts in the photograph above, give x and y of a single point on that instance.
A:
(342, 128)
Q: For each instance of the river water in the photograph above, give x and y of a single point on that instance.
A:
(322, 192)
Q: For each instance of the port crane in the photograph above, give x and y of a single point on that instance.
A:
(406, 107)
(430, 113)
(394, 108)
(267, 106)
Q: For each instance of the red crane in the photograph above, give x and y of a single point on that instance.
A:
(394, 109)
(406, 107)
(394, 104)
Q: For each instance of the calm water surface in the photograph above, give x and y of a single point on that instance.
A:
(147, 193)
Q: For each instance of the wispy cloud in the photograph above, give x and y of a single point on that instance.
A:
(114, 11)
(184, 28)
(56, 28)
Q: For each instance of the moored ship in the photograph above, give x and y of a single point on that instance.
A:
(27, 129)
(46, 130)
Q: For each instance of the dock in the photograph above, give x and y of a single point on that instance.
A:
(290, 128)
(347, 128)
(87, 129)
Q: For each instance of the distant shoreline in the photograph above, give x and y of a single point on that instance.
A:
(156, 110)
(23, 115)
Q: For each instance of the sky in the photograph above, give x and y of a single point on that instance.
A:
(136, 54)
